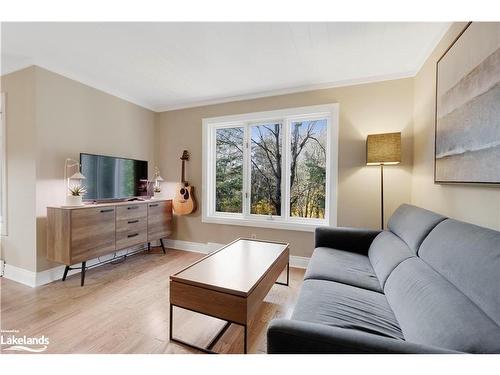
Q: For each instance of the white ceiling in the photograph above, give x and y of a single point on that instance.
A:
(163, 66)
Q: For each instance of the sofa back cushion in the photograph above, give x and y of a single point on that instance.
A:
(468, 256)
(386, 252)
(412, 224)
(432, 311)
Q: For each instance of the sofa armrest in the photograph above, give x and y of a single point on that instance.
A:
(350, 239)
(286, 336)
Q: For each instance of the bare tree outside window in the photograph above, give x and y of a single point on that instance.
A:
(308, 169)
(229, 170)
(266, 169)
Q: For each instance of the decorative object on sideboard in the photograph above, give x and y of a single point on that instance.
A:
(73, 199)
(184, 202)
(157, 180)
(383, 149)
(77, 193)
(467, 125)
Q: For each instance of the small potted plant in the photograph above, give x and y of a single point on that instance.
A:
(76, 194)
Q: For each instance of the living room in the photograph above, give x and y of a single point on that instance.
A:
(250, 188)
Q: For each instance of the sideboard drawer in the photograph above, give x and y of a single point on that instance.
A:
(159, 220)
(92, 232)
(130, 232)
(131, 211)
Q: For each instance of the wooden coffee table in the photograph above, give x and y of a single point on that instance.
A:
(229, 284)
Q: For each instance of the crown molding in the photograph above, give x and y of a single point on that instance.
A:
(288, 91)
(222, 100)
(431, 47)
(86, 82)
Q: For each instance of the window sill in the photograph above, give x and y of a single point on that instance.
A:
(266, 223)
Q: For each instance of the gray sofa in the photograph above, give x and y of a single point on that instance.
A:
(429, 284)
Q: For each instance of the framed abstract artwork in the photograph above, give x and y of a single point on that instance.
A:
(467, 124)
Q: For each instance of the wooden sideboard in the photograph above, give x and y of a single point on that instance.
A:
(80, 233)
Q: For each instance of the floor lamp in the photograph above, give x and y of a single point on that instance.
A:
(383, 149)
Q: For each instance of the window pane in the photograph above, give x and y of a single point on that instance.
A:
(229, 170)
(308, 169)
(266, 169)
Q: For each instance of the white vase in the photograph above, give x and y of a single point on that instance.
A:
(157, 195)
(74, 200)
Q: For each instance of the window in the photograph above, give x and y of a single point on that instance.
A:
(274, 169)
(3, 165)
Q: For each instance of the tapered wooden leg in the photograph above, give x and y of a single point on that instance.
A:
(162, 246)
(149, 247)
(66, 269)
(84, 264)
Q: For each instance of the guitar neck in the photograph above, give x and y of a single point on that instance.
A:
(183, 178)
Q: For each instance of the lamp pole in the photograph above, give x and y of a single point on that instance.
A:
(382, 196)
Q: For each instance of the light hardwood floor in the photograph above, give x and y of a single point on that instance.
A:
(124, 308)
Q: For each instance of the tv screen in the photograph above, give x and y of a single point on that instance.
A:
(110, 177)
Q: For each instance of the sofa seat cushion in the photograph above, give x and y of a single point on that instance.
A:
(432, 311)
(469, 257)
(345, 306)
(344, 267)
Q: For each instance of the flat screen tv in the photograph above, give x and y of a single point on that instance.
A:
(113, 178)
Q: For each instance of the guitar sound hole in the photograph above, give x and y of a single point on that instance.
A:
(186, 196)
(183, 191)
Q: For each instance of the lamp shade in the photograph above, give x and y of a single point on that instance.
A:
(77, 176)
(383, 149)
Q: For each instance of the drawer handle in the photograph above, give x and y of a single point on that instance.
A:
(133, 235)
(133, 221)
(108, 210)
(133, 208)
(153, 205)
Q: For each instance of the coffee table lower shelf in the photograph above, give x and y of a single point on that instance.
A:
(209, 347)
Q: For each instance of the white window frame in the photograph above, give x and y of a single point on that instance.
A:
(330, 112)
(3, 161)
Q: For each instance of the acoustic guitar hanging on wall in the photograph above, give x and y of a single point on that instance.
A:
(184, 202)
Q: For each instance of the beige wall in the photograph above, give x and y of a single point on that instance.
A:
(364, 109)
(472, 203)
(65, 118)
(19, 247)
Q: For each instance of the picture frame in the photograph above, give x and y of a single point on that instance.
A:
(467, 114)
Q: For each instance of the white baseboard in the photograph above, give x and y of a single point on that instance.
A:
(295, 261)
(20, 275)
(299, 262)
(34, 279)
(196, 247)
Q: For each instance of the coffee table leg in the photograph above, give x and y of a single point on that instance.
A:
(287, 276)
